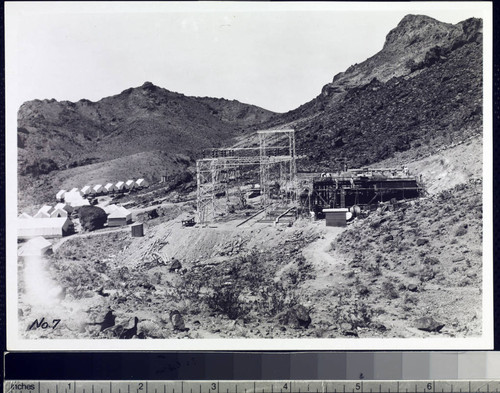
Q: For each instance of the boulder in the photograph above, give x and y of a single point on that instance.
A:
(412, 287)
(177, 321)
(422, 241)
(428, 324)
(296, 316)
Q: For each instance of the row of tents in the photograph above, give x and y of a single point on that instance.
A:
(46, 211)
(53, 222)
(100, 189)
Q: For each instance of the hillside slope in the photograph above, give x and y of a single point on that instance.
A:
(421, 91)
(137, 120)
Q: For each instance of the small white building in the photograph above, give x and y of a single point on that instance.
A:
(120, 216)
(97, 189)
(86, 190)
(130, 184)
(24, 216)
(46, 227)
(75, 190)
(141, 183)
(37, 246)
(60, 195)
(110, 187)
(120, 186)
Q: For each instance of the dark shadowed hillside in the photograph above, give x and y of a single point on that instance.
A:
(424, 89)
(139, 119)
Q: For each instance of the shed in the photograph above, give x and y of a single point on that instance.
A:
(24, 216)
(97, 189)
(75, 190)
(60, 195)
(86, 190)
(119, 217)
(141, 183)
(130, 184)
(110, 187)
(137, 230)
(59, 213)
(46, 227)
(35, 247)
(336, 217)
(120, 186)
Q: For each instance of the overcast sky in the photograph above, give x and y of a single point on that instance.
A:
(277, 56)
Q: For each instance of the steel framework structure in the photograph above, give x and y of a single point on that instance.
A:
(276, 165)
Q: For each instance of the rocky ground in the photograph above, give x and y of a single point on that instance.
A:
(410, 270)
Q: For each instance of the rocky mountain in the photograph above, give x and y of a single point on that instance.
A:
(58, 135)
(423, 89)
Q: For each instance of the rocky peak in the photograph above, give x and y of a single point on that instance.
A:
(407, 48)
(418, 29)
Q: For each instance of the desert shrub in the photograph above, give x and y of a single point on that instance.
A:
(92, 217)
(426, 274)
(431, 261)
(390, 290)
(225, 300)
(352, 311)
(461, 231)
(41, 167)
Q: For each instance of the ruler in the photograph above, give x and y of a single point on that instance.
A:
(274, 386)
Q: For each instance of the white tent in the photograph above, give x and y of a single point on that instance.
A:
(59, 213)
(141, 183)
(74, 190)
(64, 206)
(130, 184)
(24, 216)
(60, 195)
(110, 187)
(120, 186)
(46, 227)
(75, 199)
(44, 212)
(86, 190)
(34, 247)
(97, 189)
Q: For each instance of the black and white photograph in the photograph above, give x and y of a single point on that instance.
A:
(249, 175)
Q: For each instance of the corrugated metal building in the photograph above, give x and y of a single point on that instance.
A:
(46, 227)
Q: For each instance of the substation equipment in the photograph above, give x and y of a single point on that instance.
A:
(224, 172)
